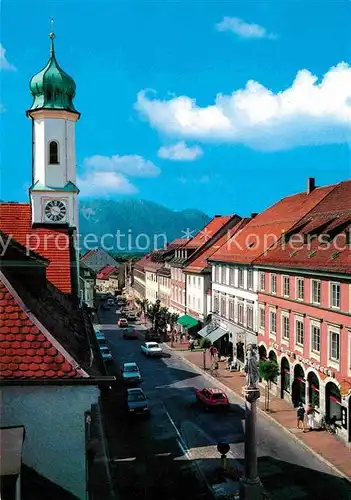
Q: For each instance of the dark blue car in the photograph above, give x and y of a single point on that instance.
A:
(137, 402)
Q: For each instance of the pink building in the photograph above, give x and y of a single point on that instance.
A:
(304, 294)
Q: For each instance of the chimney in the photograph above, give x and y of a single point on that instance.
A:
(253, 215)
(311, 184)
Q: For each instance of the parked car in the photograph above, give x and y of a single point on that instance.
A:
(130, 334)
(137, 402)
(131, 373)
(131, 316)
(211, 397)
(151, 349)
(152, 336)
(101, 341)
(122, 323)
(99, 334)
(105, 353)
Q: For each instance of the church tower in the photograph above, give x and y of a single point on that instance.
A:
(53, 192)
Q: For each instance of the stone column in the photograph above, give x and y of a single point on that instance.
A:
(250, 484)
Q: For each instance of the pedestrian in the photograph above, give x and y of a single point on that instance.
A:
(215, 352)
(191, 344)
(301, 417)
(211, 352)
(310, 419)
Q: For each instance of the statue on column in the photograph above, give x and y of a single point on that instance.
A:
(251, 367)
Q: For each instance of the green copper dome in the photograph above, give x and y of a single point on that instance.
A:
(52, 88)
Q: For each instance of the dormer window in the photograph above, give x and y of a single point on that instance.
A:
(53, 153)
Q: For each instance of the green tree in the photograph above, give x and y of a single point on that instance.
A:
(153, 312)
(269, 371)
(143, 304)
(205, 344)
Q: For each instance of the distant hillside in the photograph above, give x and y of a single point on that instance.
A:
(135, 225)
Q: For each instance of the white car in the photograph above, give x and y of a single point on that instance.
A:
(151, 349)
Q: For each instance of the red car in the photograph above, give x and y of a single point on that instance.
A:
(212, 398)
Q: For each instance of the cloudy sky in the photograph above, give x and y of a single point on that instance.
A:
(221, 106)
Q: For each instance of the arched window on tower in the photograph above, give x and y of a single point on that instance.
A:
(53, 153)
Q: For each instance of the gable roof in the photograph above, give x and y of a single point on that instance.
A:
(266, 228)
(27, 349)
(42, 333)
(203, 236)
(98, 259)
(106, 272)
(321, 239)
(52, 244)
(201, 262)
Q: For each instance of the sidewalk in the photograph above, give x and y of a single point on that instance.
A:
(328, 447)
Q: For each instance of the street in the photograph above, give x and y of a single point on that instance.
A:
(173, 454)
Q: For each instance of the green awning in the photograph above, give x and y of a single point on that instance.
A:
(187, 321)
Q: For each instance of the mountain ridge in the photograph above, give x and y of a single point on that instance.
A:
(129, 225)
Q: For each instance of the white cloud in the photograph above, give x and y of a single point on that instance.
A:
(131, 165)
(4, 64)
(180, 152)
(307, 113)
(97, 184)
(243, 29)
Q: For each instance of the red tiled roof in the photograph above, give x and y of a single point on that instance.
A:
(25, 350)
(208, 231)
(200, 263)
(305, 248)
(267, 228)
(53, 244)
(106, 272)
(87, 254)
(177, 243)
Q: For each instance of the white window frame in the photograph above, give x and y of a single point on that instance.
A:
(231, 276)
(298, 280)
(241, 272)
(299, 319)
(331, 331)
(284, 278)
(273, 280)
(262, 308)
(231, 308)
(262, 278)
(250, 273)
(331, 284)
(272, 332)
(313, 301)
(239, 306)
(251, 308)
(285, 315)
(315, 324)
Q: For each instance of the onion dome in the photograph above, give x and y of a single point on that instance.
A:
(52, 88)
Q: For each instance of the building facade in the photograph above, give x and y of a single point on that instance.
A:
(305, 309)
(87, 285)
(164, 285)
(235, 305)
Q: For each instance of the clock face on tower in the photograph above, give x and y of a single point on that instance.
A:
(55, 211)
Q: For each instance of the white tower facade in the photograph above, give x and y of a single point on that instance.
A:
(53, 193)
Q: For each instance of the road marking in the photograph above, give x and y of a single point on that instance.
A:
(180, 440)
(129, 459)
